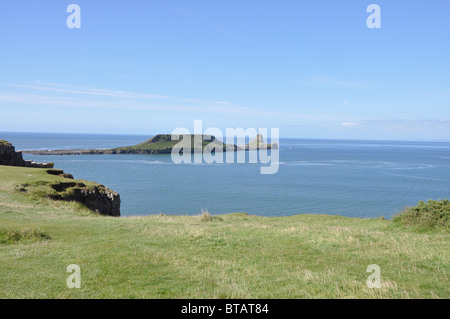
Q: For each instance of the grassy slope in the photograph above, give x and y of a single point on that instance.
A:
(162, 142)
(39, 183)
(234, 256)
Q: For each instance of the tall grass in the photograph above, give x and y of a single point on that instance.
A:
(207, 217)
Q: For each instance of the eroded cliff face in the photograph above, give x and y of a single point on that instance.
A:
(9, 156)
(96, 197)
(99, 199)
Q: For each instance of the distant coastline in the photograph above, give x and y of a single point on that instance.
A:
(163, 144)
(316, 175)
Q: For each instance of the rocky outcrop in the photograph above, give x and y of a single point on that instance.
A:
(9, 156)
(60, 173)
(96, 197)
(99, 199)
(39, 165)
(258, 143)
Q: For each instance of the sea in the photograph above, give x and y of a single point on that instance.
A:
(352, 178)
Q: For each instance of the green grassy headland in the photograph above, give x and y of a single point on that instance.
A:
(221, 256)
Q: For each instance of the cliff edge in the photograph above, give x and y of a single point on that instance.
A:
(9, 156)
(57, 185)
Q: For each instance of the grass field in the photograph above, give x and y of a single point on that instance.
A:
(227, 256)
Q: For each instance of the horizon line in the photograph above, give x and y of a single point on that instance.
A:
(289, 137)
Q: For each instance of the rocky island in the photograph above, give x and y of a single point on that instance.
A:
(163, 144)
(96, 197)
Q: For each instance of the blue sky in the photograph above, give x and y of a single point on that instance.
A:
(313, 69)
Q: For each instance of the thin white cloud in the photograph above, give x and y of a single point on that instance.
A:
(349, 124)
(221, 102)
(71, 89)
(63, 95)
(174, 106)
(402, 124)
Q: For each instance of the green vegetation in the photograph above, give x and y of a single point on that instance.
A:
(206, 256)
(4, 142)
(44, 183)
(25, 235)
(163, 143)
(429, 215)
(159, 144)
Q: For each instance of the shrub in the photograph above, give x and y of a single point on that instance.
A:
(431, 214)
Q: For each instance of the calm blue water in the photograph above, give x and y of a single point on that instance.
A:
(349, 178)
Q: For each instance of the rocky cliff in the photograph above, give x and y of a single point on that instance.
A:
(9, 156)
(100, 199)
(96, 197)
(258, 143)
(63, 186)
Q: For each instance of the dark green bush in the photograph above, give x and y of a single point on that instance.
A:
(431, 214)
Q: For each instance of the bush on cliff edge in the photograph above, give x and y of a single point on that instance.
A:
(431, 214)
